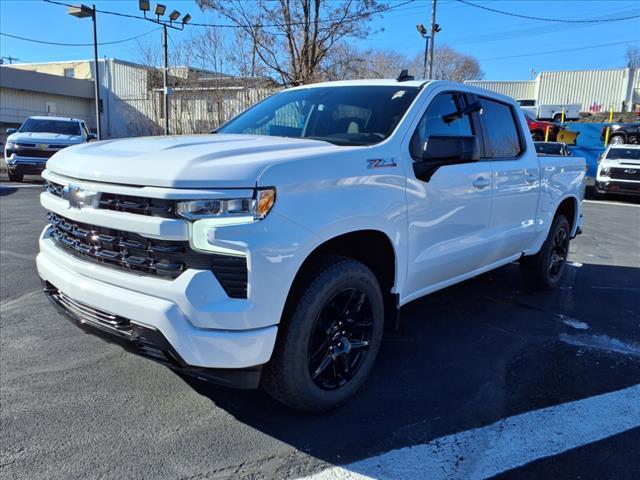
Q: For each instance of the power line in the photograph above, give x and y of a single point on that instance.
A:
(586, 47)
(544, 19)
(221, 25)
(45, 42)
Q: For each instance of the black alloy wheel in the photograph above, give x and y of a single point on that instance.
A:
(329, 336)
(340, 339)
(559, 253)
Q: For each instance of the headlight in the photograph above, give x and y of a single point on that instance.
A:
(604, 171)
(248, 209)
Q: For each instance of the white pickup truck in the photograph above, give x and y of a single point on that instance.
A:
(619, 170)
(274, 250)
(550, 111)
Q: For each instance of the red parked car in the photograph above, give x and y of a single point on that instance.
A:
(538, 128)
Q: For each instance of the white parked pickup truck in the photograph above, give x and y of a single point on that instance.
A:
(550, 111)
(38, 138)
(619, 170)
(273, 250)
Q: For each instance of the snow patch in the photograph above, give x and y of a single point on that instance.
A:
(601, 342)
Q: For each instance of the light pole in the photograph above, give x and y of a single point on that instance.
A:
(435, 28)
(82, 11)
(423, 33)
(173, 16)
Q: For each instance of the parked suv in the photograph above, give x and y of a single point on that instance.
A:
(274, 251)
(29, 147)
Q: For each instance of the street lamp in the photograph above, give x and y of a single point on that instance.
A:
(423, 33)
(82, 11)
(159, 11)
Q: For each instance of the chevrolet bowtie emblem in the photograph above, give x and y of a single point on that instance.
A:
(79, 198)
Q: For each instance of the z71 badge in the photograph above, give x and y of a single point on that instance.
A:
(381, 163)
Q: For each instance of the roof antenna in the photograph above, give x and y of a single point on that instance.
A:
(404, 76)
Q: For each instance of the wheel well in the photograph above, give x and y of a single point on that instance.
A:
(568, 208)
(371, 247)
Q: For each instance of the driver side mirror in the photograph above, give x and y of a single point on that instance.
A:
(11, 130)
(441, 150)
(91, 136)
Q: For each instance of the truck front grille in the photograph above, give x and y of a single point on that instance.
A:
(155, 207)
(625, 173)
(133, 252)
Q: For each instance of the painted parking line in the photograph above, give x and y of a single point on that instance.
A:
(504, 445)
(21, 185)
(604, 202)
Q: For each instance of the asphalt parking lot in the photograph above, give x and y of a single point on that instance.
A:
(465, 358)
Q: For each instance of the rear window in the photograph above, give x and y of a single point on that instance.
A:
(549, 148)
(501, 134)
(36, 125)
(623, 154)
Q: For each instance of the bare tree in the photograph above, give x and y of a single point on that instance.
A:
(449, 64)
(291, 38)
(632, 57)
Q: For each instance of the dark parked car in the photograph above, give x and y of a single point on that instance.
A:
(622, 133)
(552, 148)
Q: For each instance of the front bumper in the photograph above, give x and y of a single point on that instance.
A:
(619, 187)
(185, 345)
(26, 165)
(145, 341)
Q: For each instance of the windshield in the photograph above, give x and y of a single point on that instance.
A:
(359, 115)
(624, 154)
(35, 125)
(549, 148)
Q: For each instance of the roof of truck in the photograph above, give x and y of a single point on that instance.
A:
(388, 82)
(64, 119)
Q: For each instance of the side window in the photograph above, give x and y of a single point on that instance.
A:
(438, 120)
(501, 136)
(527, 103)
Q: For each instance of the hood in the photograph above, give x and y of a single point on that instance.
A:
(44, 137)
(190, 161)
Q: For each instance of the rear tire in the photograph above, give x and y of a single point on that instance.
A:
(15, 177)
(328, 343)
(544, 270)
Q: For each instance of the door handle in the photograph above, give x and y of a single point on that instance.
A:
(481, 182)
(531, 178)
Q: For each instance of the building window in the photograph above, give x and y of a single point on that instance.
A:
(69, 72)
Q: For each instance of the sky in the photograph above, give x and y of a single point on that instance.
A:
(507, 47)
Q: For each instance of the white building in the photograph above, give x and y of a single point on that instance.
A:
(594, 90)
(131, 95)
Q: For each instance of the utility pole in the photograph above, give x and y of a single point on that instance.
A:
(165, 79)
(434, 29)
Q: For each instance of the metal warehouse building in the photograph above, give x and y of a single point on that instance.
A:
(594, 90)
(24, 94)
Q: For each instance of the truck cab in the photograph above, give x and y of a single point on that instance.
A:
(275, 250)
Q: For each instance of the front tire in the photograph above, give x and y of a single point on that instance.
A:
(328, 344)
(15, 177)
(616, 140)
(544, 270)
